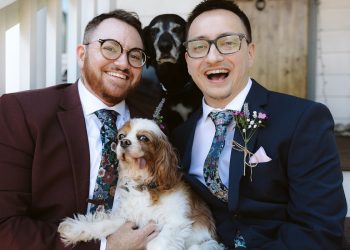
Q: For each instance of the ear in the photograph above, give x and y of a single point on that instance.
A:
(166, 171)
(81, 53)
(188, 61)
(251, 54)
(149, 46)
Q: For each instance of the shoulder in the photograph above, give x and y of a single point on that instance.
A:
(36, 104)
(292, 105)
(37, 94)
(282, 103)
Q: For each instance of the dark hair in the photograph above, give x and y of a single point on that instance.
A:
(207, 5)
(130, 18)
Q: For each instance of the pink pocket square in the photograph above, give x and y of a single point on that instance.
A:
(260, 156)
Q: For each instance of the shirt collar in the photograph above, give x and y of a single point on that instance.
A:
(90, 103)
(235, 104)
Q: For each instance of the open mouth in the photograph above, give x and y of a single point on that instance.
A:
(141, 162)
(118, 75)
(219, 74)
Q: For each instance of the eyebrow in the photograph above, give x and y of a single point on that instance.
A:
(222, 34)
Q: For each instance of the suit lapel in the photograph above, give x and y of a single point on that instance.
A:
(72, 120)
(256, 99)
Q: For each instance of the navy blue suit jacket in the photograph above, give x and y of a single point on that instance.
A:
(295, 201)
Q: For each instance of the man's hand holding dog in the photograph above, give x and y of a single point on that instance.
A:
(129, 237)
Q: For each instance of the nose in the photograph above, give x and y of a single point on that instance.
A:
(124, 143)
(122, 60)
(165, 42)
(214, 55)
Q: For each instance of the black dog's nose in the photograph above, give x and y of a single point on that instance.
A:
(165, 42)
(124, 143)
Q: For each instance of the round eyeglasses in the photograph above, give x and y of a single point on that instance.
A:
(112, 49)
(225, 44)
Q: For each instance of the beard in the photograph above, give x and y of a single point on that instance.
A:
(107, 93)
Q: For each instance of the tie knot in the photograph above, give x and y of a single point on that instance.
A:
(222, 118)
(107, 117)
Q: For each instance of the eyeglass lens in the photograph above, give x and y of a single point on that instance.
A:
(112, 50)
(225, 45)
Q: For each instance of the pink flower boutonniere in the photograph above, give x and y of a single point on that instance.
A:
(247, 126)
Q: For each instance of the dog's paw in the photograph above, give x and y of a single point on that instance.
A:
(72, 231)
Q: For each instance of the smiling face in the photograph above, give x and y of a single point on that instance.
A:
(220, 77)
(109, 80)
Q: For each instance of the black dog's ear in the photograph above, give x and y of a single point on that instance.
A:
(149, 46)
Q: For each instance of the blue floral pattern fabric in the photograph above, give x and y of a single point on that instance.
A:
(239, 240)
(108, 173)
(211, 168)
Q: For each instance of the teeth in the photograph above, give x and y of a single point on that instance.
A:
(217, 71)
(117, 75)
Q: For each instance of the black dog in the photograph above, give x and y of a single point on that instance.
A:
(164, 38)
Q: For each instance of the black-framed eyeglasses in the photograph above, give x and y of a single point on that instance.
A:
(112, 49)
(225, 44)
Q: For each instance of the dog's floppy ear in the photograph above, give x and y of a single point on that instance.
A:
(166, 171)
(149, 49)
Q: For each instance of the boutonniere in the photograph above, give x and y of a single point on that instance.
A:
(247, 125)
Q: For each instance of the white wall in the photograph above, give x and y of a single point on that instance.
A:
(150, 8)
(333, 58)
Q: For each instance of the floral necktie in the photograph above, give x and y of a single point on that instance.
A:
(107, 173)
(211, 168)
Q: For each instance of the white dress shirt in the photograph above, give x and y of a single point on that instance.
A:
(204, 134)
(90, 104)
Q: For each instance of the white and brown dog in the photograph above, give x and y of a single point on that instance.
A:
(150, 187)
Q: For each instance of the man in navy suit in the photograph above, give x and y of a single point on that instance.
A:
(281, 187)
(50, 143)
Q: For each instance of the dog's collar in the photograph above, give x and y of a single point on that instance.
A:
(141, 187)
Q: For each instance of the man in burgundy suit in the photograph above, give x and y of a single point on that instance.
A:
(50, 144)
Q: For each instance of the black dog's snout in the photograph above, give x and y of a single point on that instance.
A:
(165, 42)
(124, 143)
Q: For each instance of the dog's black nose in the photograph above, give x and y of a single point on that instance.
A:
(124, 143)
(165, 42)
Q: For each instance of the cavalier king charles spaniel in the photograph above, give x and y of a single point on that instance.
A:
(150, 187)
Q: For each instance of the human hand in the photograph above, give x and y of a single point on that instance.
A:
(129, 237)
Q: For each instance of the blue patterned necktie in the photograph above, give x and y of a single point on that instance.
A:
(211, 168)
(107, 173)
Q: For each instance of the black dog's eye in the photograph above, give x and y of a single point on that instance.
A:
(177, 30)
(143, 138)
(121, 136)
(154, 31)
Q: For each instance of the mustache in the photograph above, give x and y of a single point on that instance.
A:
(116, 68)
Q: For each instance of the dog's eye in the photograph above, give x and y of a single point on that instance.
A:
(121, 136)
(154, 31)
(177, 30)
(143, 138)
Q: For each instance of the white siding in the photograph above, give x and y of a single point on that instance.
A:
(150, 8)
(333, 58)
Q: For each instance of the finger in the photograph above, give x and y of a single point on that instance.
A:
(149, 228)
(152, 236)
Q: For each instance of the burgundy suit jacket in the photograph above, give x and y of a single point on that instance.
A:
(44, 165)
